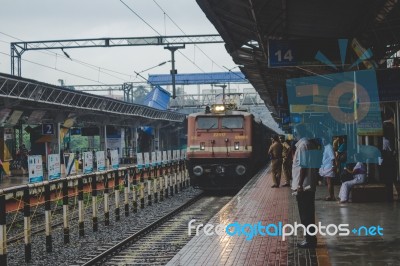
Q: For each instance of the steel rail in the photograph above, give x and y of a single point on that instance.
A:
(135, 237)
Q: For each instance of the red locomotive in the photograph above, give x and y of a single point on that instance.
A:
(225, 147)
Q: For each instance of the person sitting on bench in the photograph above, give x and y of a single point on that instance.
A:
(359, 172)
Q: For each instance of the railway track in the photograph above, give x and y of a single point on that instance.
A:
(158, 243)
(37, 222)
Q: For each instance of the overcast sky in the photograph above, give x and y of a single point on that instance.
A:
(41, 20)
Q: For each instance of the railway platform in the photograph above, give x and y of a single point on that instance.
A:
(12, 181)
(258, 202)
(17, 180)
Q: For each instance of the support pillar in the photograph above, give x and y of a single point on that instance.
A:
(47, 217)
(65, 211)
(106, 206)
(126, 192)
(116, 189)
(81, 209)
(94, 204)
(3, 231)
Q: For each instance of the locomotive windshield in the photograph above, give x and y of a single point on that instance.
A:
(207, 122)
(232, 122)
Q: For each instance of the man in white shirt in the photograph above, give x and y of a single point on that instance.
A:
(304, 183)
(327, 168)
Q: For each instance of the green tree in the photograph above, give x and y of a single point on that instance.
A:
(139, 94)
(81, 143)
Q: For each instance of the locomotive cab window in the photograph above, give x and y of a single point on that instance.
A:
(207, 122)
(232, 122)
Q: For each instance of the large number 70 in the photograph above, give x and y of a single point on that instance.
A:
(360, 95)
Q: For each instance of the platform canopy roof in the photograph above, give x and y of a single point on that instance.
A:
(249, 27)
(33, 102)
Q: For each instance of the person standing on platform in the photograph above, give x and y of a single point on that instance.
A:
(328, 169)
(286, 162)
(389, 157)
(341, 154)
(335, 143)
(303, 183)
(109, 156)
(275, 154)
(23, 154)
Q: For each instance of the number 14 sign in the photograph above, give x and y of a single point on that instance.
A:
(304, 52)
(281, 53)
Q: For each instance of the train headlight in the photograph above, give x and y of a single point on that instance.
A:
(236, 146)
(198, 170)
(202, 146)
(240, 169)
(219, 108)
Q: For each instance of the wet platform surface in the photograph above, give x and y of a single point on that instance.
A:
(258, 202)
(12, 181)
(361, 250)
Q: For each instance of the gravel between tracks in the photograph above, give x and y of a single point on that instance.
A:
(79, 247)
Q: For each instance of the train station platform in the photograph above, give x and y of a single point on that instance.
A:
(258, 202)
(16, 180)
(12, 181)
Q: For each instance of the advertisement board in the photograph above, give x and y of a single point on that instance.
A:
(54, 166)
(87, 162)
(101, 160)
(114, 159)
(69, 162)
(35, 168)
(140, 163)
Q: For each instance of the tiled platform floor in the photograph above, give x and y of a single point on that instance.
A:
(258, 202)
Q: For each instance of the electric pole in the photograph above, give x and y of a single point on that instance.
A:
(173, 70)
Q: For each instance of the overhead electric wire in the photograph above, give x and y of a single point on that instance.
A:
(139, 17)
(75, 60)
(8, 35)
(56, 69)
(198, 47)
(97, 68)
(160, 64)
(230, 70)
(159, 33)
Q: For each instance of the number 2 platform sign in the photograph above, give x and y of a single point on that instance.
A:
(48, 129)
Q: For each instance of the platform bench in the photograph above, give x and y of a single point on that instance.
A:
(368, 193)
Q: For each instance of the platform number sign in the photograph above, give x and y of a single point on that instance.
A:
(281, 53)
(48, 129)
(284, 55)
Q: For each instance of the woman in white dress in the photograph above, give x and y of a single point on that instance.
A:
(359, 173)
